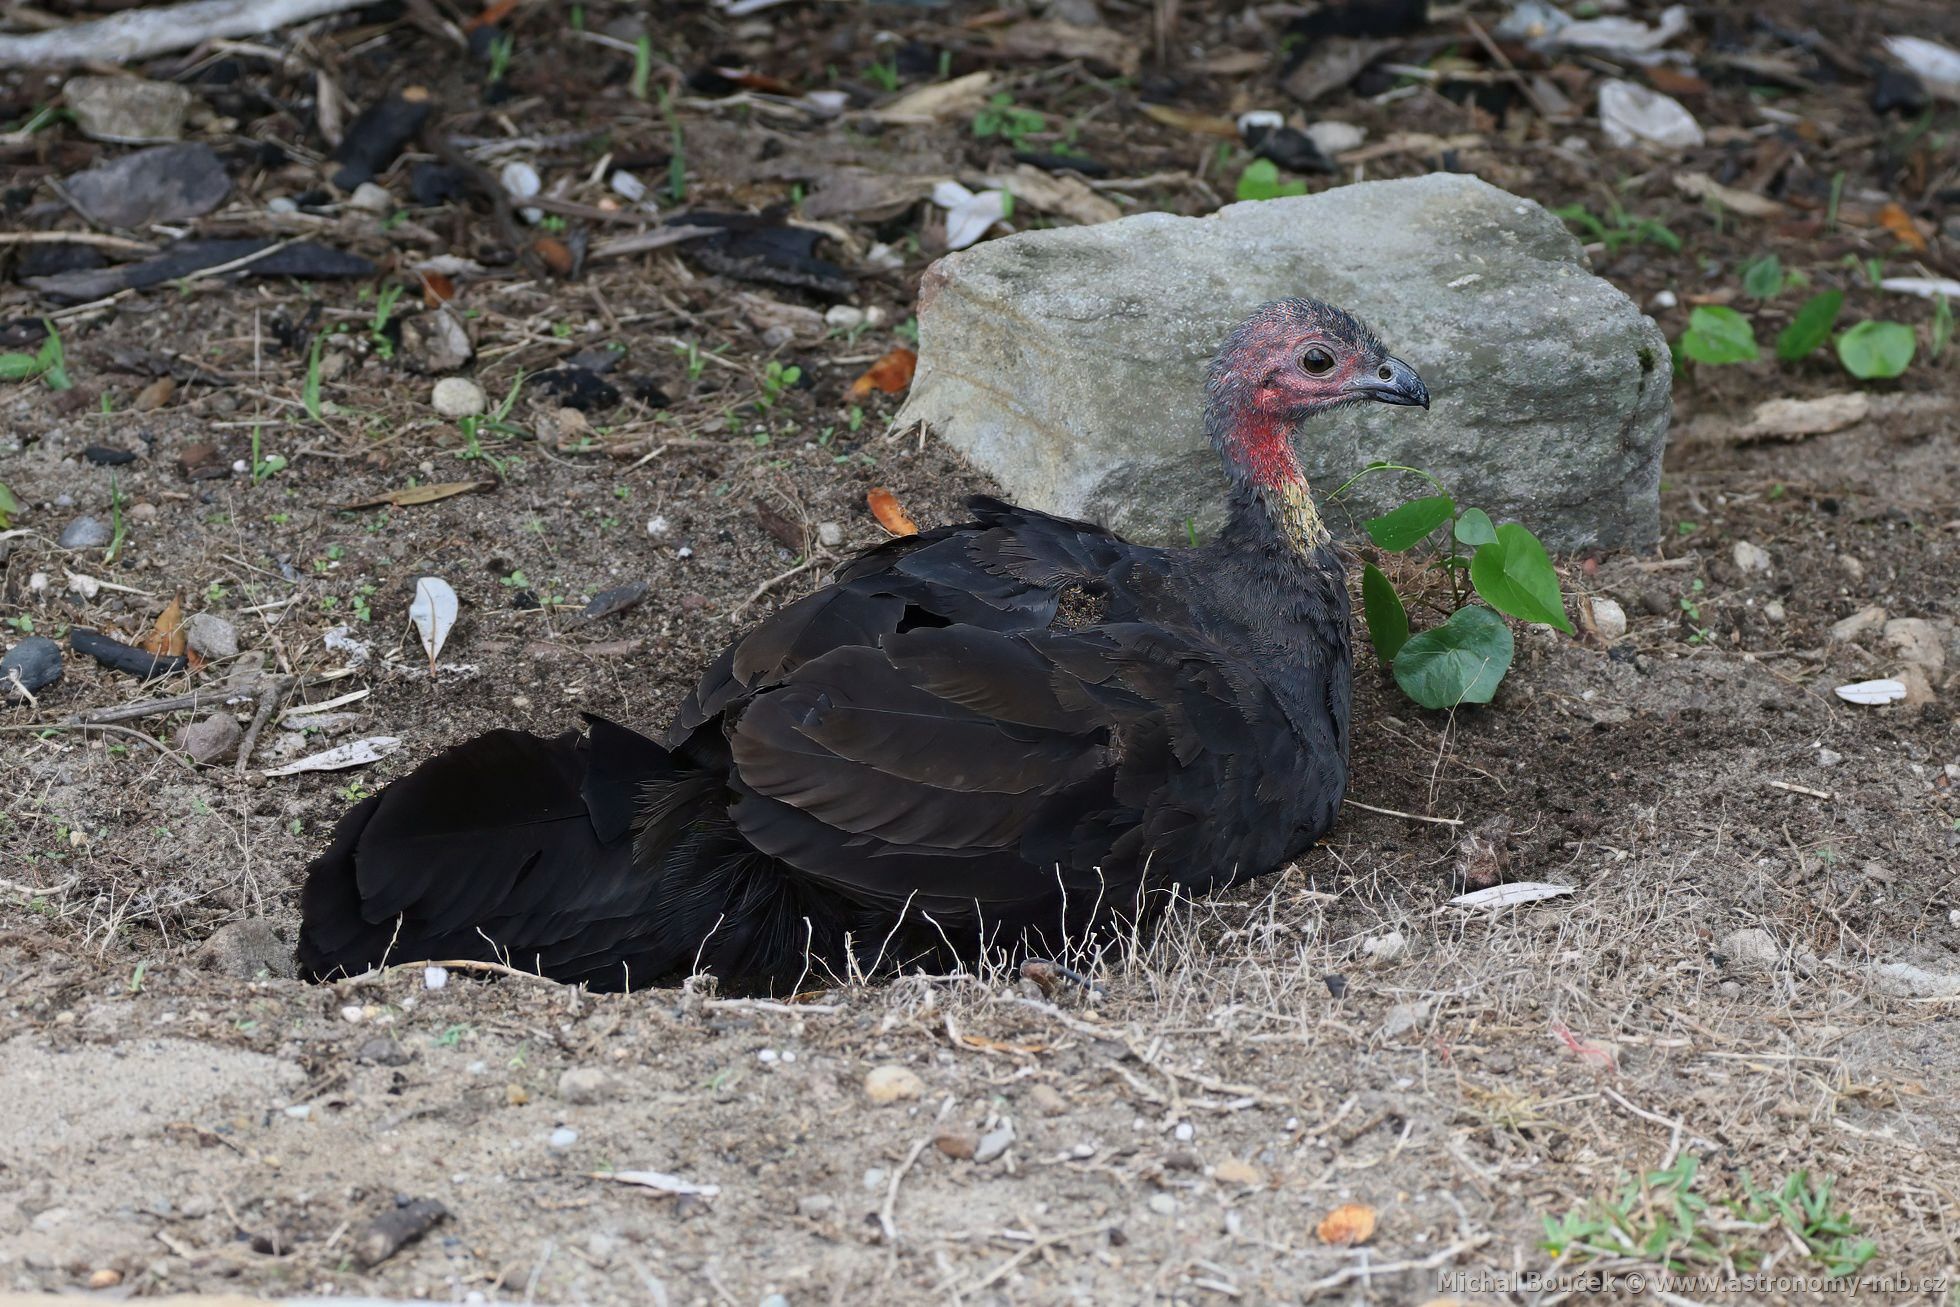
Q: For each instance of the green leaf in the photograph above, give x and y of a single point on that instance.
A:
(1514, 576)
(19, 367)
(1876, 350)
(1260, 181)
(1942, 325)
(1473, 528)
(1718, 335)
(1388, 621)
(1811, 327)
(9, 506)
(1762, 278)
(1402, 527)
(1460, 661)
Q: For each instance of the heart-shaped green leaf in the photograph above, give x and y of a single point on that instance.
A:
(1718, 335)
(1398, 529)
(1874, 351)
(1811, 327)
(1473, 528)
(1514, 576)
(1388, 621)
(1459, 662)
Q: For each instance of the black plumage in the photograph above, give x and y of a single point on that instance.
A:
(1020, 733)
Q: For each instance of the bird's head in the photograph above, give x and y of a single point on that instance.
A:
(1294, 358)
(1291, 359)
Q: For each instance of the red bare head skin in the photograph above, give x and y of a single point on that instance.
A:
(1291, 359)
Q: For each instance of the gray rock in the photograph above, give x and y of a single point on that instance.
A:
(1845, 630)
(1751, 949)
(36, 661)
(436, 341)
(584, 1084)
(127, 109)
(212, 740)
(170, 183)
(1918, 641)
(211, 636)
(1069, 363)
(246, 950)
(85, 533)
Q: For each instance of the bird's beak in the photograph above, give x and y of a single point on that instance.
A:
(1394, 382)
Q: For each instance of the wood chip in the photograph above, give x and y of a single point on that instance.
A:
(940, 100)
(1703, 187)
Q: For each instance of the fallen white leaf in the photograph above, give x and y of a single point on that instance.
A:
(1873, 692)
(1637, 115)
(1508, 896)
(1925, 287)
(354, 753)
(326, 705)
(1936, 65)
(968, 215)
(659, 1180)
(433, 612)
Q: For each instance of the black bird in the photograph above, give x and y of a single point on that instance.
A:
(1018, 734)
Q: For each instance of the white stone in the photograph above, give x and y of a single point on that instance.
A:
(1751, 557)
(459, 397)
(1609, 619)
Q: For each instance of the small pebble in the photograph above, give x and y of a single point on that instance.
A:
(1184, 1133)
(212, 740)
(370, 197)
(1163, 1204)
(584, 1084)
(830, 535)
(891, 1083)
(106, 1278)
(1829, 758)
(563, 1137)
(1609, 619)
(1047, 1100)
(657, 526)
(627, 185)
(815, 1206)
(994, 1143)
(85, 533)
(432, 977)
(36, 661)
(1751, 557)
(955, 1142)
(459, 397)
(211, 636)
(1233, 1171)
(843, 317)
(1773, 611)
(874, 1178)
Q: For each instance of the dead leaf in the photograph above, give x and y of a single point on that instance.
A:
(355, 753)
(1703, 187)
(1050, 39)
(1348, 1225)
(891, 374)
(659, 1182)
(155, 395)
(167, 639)
(885, 507)
(1896, 220)
(434, 613)
(1051, 193)
(939, 100)
(429, 494)
(996, 1046)
(785, 532)
(1792, 419)
(556, 255)
(493, 13)
(437, 290)
(1203, 124)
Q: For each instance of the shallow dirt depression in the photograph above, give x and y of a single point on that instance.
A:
(1749, 993)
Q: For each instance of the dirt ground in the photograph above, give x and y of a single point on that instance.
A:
(1755, 974)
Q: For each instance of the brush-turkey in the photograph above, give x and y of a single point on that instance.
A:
(1015, 735)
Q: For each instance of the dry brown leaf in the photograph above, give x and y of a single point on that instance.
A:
(1068, 196)
(437, 290)
(891, 374)
(556, 255)
(1204, 124)
(885, 507)
(1897, 221)
(155, 395)
(1703, 187)
(1348, 1225)
(429, 494)
(493, 13)
(940, 100)
(997, 1046)
(167, 639)
(1051, 39)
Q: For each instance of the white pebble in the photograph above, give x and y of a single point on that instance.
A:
(767, 1055)
(435, 977)
(830, 535)
(1184, 1133)
(843, 316)
(563, 1137)
(1609, 619)
(352, 1014)
(1163, 1204)
(459, 397)
(628, 186)
(1665, 299)
(657, 526)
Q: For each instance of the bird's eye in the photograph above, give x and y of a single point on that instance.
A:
(1317, 361)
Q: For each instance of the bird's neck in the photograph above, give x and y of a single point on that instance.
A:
(1269, 495)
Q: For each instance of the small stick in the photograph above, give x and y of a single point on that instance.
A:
(98, 238)
(269, 698)
(1410, 816)
(886, 1219)
(773, 582)
(1800, 789)
(130, 731)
